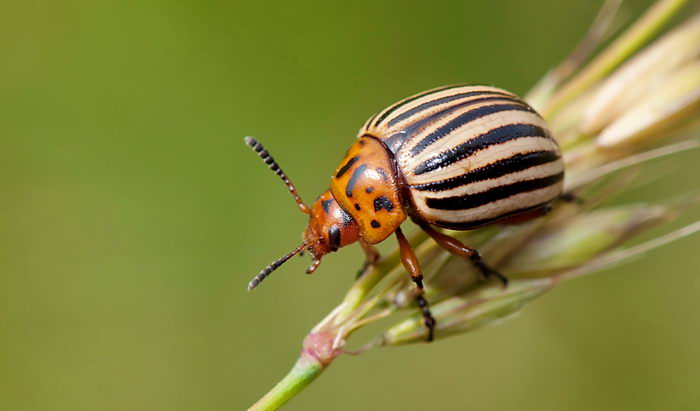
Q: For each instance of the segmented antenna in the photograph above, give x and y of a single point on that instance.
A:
(267, 158)
(272, 267)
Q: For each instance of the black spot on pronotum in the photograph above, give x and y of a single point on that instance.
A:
(334, 237)
(346, 167)
(326, 204)
(357, 207)
(353, 179)
(383, 203)
(375, 224)
(369, 189)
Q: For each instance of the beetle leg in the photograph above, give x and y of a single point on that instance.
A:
(371, 257)
(410, 262)
(456, 247)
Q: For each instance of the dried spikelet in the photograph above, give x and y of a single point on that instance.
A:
(645, 76)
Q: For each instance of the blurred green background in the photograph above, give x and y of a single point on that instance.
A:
(132, 215)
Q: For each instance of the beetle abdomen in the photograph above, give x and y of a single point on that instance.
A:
(471, 155)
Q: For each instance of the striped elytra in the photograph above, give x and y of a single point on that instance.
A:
(469, 155)
(456, 157)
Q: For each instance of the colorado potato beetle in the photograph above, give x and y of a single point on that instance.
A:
(457, 157)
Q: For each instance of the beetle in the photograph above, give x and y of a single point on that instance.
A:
(457, 157)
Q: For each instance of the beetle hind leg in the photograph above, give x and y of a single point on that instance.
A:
(456, 247)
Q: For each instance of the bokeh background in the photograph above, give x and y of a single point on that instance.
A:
(132, 215)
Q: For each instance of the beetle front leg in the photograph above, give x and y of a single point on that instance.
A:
(371, 257)
(410, 262)
(456, 247)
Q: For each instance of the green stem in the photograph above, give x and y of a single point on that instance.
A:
(305, 370)
(357, 293)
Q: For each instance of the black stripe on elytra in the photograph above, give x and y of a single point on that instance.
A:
(368, 123)
(353, 179)
(382, 202)
(470, 225)
(395, 141)
(468, 201)
(334, 237)
(412, 128)
(432, 103)
(326, 204)
(346, 167)
(462, 120)
(500, 168)
(494, 136)
(410, 99)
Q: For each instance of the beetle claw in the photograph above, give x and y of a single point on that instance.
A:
(313, 266)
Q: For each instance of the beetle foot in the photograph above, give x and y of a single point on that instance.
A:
(570, 198)
(428, 318)
(487, 272)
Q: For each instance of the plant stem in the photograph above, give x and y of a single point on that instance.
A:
(618, 52)
(364, 303)
(305, 370)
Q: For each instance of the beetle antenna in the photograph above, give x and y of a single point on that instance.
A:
(267, 158)
(272, 267)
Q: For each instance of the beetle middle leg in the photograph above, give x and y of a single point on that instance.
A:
(456, 247)
(410, 262)
(371, 257)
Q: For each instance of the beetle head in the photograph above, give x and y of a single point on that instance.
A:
(330, 228)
